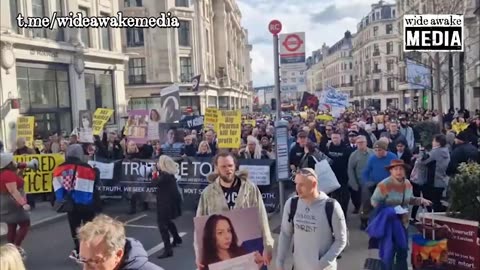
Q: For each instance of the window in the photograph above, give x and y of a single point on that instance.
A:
(402, 74)
(212, 101)
(390, 47)
(105, 35)
(390, 65)
(193, 102)
(134, 37)
(376, 50)
(38, 10)
(351, 65)
(375, 31)
(184, 34)
(376, 68)
(390, 84)
(376, 85)
(389, 29)
(99, 90)
(58, 33)
(182, 3)
(85, 34)
(14, 11)
(133, 3)
(136, 71)
(186, 72)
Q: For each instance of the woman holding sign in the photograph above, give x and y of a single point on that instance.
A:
(13, 204)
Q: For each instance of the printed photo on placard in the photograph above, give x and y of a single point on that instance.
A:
(85, 133)
(229, 240)
(137, 126)
(153, 128)
(170, 111)
(171, 139)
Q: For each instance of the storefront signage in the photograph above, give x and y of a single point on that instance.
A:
(44, 53)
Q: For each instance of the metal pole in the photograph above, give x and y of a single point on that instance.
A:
(276, 67)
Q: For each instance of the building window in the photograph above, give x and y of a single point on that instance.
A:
(45, 94)
(58, 33)
(99, 91)
(182, 3)
(192, 102)
(375, 31)
(136, 71)
(39, 11)
(390, 65)
(85, 34)
(376, 68)
(351, 66)
(135, 37)
(402, 74)
(390, 47)
(14, 11)
(212, 102)
(376, 85)
(389, 29)
(376, 50)
(390, 84)
(133, 3)
(186, 72)
(184, 34)
(105, 35)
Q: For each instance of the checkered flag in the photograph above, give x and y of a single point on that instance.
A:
(195, 83)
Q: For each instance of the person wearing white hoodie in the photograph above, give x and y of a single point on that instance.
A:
(316, 244)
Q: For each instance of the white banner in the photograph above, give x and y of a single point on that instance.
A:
(259, 175)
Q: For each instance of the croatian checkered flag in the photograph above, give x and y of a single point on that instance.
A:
(195, 83)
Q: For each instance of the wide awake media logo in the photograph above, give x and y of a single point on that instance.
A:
(433, 32)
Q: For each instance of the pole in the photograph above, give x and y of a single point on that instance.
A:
(206, 101)
(439, 88)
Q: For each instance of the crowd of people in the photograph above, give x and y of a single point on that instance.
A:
(379, 160)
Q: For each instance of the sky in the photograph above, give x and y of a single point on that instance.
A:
(323, 21)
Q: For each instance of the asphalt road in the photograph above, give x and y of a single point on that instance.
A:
(49, 245)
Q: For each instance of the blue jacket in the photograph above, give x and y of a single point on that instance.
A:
(375, 170)
(388, 229)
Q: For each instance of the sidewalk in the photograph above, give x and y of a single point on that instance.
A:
(42, 213)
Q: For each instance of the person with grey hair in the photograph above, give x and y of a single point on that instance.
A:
(74, 192)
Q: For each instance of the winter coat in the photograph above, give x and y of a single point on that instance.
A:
(434, 167)
(461, 153)
(169, 199)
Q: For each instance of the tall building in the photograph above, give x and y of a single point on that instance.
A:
(459, 71)
(210, 41)
(376, 50)
(58, 72)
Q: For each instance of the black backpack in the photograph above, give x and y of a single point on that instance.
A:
(329, 205)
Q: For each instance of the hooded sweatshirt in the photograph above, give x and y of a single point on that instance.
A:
(136, 258)
(314, 246)
(212, 201)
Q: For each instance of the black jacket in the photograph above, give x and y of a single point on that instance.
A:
(339, 155)
(461, 153)
(169, 200)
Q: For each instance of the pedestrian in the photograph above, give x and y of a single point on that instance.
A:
(169, 203)
(229, 189)
(316, 225)
(76, 194)
(10, 258)
(104, 246)
(13, 203)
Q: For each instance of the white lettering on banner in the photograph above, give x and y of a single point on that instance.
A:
(106, 169)
(204, 168)
(142, 168)
(127, 189)
(260, 175)
(268, 195)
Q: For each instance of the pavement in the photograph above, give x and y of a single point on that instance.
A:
(48, 244)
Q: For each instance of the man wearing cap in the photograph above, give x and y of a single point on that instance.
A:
(463, 151)
(373, 173)
(297, 153)
(407, 132)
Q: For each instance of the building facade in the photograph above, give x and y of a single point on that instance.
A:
(210, 42)
(376, 51)
(58, 72)
(338, 65)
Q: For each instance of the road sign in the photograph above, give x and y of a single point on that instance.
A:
(275, 27)
(292, 42)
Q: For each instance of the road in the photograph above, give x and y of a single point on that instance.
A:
(48, 246)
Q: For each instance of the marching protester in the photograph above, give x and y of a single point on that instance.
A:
(22, 148)
(104, 245)
(189, 149)
(76, 194)
(13, 204)
(314, 223)
(169, 203)
(109, 146)
(463, 151)
(297, 153)
(394, 136)
(210, 138)
(407, 132)
(228, 190)
(403, 152)
(356, 165)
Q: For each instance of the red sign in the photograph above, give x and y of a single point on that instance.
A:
(292, 42)
(463, 243)
(275, 27)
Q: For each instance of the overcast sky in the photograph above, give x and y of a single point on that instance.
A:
(323, 21)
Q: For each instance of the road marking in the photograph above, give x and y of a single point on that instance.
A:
(141, 226)
(135, 219)
(160, 246)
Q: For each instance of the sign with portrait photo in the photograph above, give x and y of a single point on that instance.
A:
(136, 128)
(236, 233)
(171, 139)
(85, 131)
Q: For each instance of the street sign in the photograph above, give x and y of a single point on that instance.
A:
(275, 27)
(292, 62)
(292, 42)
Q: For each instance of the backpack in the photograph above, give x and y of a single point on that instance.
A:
(329, 205)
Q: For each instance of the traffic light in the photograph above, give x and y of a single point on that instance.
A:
(273, 102)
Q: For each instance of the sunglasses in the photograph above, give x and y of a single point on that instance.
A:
(305, 172)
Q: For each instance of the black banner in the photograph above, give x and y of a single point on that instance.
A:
(131, 176)
(192, 122)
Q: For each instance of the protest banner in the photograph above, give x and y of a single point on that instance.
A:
(136, 128)
(229, 129)
(153, 125)
(244, 227)
(250, 122)
(100, 118)
(40, 181)
(170, 111)
(211, 119)
(25, 129)
(192, 122)
(171, 139)
(135, 176)
(85, 134)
